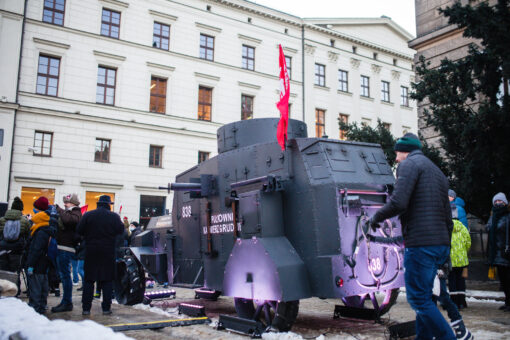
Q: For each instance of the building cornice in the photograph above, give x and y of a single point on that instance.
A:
(11, 15)
(102, 185)
(251, 86)
(434, 36)
(116, 3)
(250, 39)
(163, 15)
(51, 43)
(208, 27)
(162, 67)
(207, 76)
(156, 50)
(108, 55)
(121, 122)
(38, 180)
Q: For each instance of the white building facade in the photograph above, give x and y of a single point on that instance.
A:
(118, 97)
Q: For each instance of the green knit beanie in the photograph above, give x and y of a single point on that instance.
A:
(408, 143)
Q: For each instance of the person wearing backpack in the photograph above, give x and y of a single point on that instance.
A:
(14, 228)
(37, 258)
(66, 237)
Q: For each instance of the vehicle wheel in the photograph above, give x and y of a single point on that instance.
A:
(129, 283)
(390, 297)
(278, 315)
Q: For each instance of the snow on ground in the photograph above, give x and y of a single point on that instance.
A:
(170, 312)
(486, 335)
(17, 316)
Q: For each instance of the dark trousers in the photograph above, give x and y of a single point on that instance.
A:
(88, 294)
(10, 262)
(457, 286)
(504, 278)
(446, 302)
(53, 278)
(38, 292)
(421, 264)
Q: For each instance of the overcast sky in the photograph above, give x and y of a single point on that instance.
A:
(400, 11)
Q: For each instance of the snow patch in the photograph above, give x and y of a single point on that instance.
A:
(17, 316)
(487, 335)
(281, 336)
(171, 312)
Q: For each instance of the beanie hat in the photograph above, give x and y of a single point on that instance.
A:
(125, 217)
(41, 203)
(135, 224)
(71, 198)
(408, 143)
(452, 193)
(500, 196)
(17, 204)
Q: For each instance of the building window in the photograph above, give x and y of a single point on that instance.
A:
(385, 91)
(366, 122)
(288, 61)
(151, 206)
(206, 47)
(47, 75)
(404, 96)
(320, 75)
(110, 23)
(106, 79)
(53, 11)
(248, 58)
(246, 107)
(365, 86)
(29, 195)
(204, 103)
(155, 155)
(343, 81)
(354, 49)
(102, 152)
(203, 156)
(332, 42)
(345, 119)
(387, 126)
(375, 56)
(91, 198)
(394, 62)
(319, 122)
(158, 95)
(43, 142)
(161, 36)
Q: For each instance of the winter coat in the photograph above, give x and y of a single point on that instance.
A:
(420, 197)
(38, 243)
(66, 236)
(121, 241)
(461, 242)
(99, 229)
(460, 204)
(14, 215)
(134, 233)
(497, 240)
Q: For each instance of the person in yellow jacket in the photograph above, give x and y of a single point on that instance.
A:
(461, 242)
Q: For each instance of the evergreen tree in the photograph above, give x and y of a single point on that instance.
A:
(469, 104)
(381, 135)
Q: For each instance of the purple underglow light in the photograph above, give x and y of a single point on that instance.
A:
(190, 305)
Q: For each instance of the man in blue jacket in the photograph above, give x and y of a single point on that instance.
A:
(420, 198)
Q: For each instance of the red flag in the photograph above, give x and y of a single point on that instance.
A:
(283, 104)
(84, 209)
(120, 210)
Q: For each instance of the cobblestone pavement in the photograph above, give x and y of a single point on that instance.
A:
(314, 320)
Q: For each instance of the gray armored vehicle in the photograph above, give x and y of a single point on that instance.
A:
(270, 227)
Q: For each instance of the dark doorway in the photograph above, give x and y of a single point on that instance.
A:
(151, 206)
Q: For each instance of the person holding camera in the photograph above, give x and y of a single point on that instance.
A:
(498, 249)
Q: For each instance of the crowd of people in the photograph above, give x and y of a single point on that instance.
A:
(58, 246)
(434, 227)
